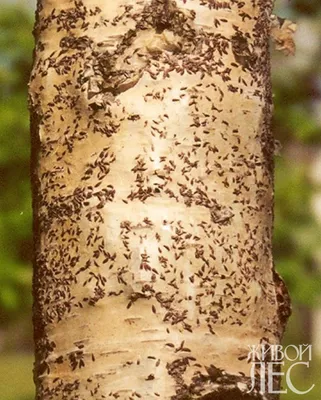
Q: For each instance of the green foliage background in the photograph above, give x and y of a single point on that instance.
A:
(16, 44)
(297, 237)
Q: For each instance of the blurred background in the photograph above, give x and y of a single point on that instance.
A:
(297, 236)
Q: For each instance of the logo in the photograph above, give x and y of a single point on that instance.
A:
(267, 363)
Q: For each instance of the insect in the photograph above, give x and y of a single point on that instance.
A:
(241, 51)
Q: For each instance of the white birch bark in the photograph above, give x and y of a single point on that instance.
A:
(153, 198)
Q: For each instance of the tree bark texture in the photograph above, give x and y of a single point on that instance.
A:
(152, 172)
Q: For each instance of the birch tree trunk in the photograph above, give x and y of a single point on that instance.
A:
(152, 170)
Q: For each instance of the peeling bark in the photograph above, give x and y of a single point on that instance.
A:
(153, 198)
